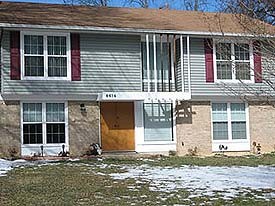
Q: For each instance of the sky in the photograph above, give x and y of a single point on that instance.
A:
(211, 4)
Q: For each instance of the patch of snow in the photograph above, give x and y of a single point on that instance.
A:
(73, 160)
(204, 181)
(7, 165)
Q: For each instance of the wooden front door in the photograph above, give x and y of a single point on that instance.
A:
(117, 126)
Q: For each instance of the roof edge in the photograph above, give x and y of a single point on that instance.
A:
(129, 30)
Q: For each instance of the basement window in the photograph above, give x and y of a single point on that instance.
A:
(229, 121)
(32, 123)
(44, 123)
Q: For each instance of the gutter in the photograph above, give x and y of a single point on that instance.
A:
(129, 30)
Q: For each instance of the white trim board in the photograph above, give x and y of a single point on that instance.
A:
(133, 30)
(50, 97)
(143, 96)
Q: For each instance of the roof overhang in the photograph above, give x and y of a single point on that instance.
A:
(127, 30)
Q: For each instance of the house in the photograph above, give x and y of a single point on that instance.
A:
(143, 80)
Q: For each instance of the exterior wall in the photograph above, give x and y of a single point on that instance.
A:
(194, 128)
(108, 63)
(83, 126)
(9, 128)
(262, 121)
(200, 87)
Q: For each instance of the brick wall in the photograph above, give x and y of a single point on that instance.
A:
(262, 126)
(194, 128)
(9, 127)
(83, 126)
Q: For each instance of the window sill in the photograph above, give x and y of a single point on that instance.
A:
(48, 149)
(229, 141)
(45, 145)
(46, 78)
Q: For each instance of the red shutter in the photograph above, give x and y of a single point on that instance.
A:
(209, 65)
(257, 62)
(15, 55)
(75, 57)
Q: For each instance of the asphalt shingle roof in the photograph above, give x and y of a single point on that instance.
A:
(128, 18)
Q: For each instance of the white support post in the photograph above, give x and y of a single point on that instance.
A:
(233, 61)
(172, 63)
(181, 63)
(148, 61)
(188, 64)
(155, 63)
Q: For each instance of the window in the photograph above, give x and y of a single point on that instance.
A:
(55, 116)
(32, 123)
(45, 56)
(220, 121)
(34, 55)
(44, 123)
(233, 61)
(238, 121)
(229, 121)
(158, 122)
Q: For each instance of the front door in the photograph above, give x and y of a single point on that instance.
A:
(117, 126)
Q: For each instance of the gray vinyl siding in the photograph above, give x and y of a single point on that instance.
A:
(199, 85)
(109, 63)
(0, 67)
(113, 63)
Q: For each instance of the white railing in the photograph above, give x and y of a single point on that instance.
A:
(164, 69)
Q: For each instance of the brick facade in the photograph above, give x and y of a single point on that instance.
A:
(194, 128)
(83, 126)
(262, 126)
(10, 128)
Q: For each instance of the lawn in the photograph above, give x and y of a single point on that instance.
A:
(142, 181)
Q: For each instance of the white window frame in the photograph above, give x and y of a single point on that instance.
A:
(44, 124)
(45, 54)
(173, 125)
(229, 124)
(251, 61)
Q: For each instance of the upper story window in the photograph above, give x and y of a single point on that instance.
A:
(45, 56)
(234, 61)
